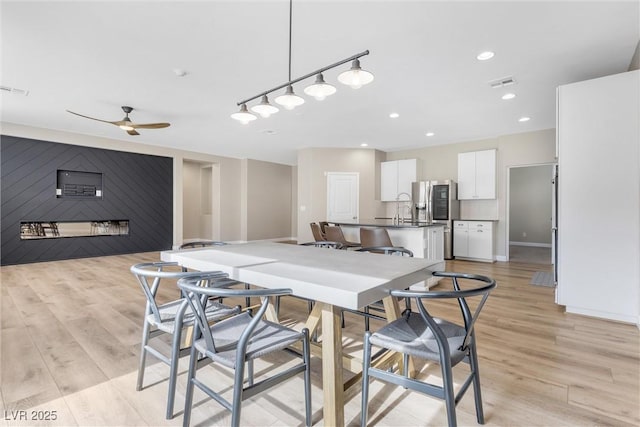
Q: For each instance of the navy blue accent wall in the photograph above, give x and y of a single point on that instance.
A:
(136, 187)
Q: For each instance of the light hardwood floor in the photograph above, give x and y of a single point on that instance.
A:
(71, 330)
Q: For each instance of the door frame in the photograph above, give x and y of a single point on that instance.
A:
(357, 176)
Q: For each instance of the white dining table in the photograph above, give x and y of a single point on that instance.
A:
(335, 279)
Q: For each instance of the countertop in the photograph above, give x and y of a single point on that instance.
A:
(388, 223)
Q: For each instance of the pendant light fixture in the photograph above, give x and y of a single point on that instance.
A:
(243, 116)
(320, 89)
(355, 77)
(265, 109)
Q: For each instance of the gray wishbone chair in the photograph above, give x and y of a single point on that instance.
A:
(420, 335)
(378, 306)
(206, 244)
(201, 244)
(170, 317)
(238, 341)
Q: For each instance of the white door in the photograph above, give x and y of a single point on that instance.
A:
(342, 196)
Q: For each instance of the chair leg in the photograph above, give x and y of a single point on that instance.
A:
(143, 354)
(306, 351)
(238, 387)
(276, 305)
(366, 320)
(173, 372)
(247, 300)
(191, 375)
(366, 363)
(449, 397)
(473, 363)
(250, 372)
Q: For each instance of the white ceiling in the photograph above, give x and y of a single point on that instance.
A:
(92, 57)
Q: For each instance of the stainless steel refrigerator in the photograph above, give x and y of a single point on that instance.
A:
(437, 202)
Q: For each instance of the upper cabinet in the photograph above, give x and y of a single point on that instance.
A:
(396, 177)
(477, 175)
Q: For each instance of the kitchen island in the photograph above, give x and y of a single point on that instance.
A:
(424, 240)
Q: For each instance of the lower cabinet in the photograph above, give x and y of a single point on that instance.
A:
(473, 240)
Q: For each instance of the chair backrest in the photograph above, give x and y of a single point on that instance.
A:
(200, 289)
(318, 235)
(149, 275)
(388, 250)
(334, 233)
(201, 244)
(372, 237)
(323, 225)
(324, 244)
(462, 295)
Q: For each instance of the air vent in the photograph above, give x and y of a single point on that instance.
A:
(505, 81)
(14, 90)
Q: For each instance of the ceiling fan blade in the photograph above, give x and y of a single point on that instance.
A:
(132, 132)
(93, 118)
(149, 125)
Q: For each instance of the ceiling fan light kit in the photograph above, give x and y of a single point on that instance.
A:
(355, 77)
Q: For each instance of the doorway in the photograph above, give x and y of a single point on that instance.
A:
(530, 212)
(200, 201)
(342, 196)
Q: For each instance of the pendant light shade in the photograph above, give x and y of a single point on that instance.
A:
(289, 100)
(243, 116)
(320, 89)
(265, 109)
(355, 77)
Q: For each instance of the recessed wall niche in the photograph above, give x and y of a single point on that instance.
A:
(79, 185)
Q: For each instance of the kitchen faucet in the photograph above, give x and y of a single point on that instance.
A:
(398, 218)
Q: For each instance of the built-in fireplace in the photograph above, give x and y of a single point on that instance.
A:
(30, 230)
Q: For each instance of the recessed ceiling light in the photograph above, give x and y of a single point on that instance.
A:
(524, 119)
(394, 115)
(508, 96)
(429, 133)
(179, 72)
(485, 55)
(364, 144)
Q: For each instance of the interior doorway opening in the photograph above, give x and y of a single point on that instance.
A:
(530, 211)
(200, 201)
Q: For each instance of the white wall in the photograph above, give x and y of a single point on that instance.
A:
(599, 197)
(312, 183)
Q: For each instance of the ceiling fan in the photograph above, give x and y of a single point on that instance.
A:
(126, 123)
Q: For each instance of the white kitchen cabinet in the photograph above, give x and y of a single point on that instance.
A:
(473, 240)
(434, 243)
(477, 175)
(396, 177)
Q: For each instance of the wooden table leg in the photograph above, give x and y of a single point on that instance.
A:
(332, 378)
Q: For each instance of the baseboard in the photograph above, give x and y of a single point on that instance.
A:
(502, 258)
(602, 314)
(540, 245)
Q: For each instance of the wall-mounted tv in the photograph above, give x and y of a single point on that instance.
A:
(78, 184)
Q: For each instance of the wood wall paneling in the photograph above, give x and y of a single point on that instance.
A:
(136, 187)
